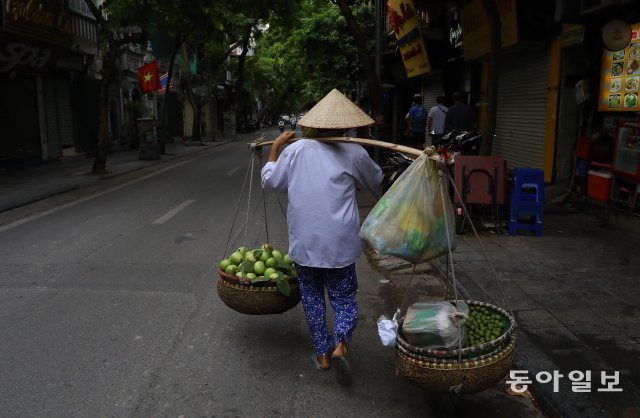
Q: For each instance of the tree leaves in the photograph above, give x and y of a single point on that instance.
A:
(311, 53)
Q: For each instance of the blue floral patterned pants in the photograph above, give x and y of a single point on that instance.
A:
(341, 285)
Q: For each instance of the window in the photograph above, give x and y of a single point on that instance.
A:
(80, 6)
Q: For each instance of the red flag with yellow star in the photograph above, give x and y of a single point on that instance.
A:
(148, 77)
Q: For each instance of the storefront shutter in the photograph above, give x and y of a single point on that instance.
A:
(522, 108)
(20, 136)
(431, 88)
(58, 113)
(54, 146)
(65, 111)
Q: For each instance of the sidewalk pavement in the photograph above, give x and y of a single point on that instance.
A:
(574, 291)
(575, 294)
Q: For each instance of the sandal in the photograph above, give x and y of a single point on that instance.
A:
(343, 370)
(316, 364)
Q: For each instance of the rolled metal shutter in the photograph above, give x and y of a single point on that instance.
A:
(58, 114)
(431, 88)
(522, 108)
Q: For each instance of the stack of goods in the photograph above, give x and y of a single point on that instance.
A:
(258, 281)
(457, 346)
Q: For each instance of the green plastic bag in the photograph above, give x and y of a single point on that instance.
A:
(410, 221)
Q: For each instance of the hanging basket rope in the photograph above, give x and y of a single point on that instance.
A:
(263, 298)
(463, 370)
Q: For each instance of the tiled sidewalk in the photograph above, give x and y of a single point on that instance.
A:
(575, 293)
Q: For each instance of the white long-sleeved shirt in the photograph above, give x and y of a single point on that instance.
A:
(322, 215)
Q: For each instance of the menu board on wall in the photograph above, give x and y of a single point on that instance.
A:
(620, 77)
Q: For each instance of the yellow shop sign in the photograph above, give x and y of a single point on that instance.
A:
(403, 19)
(620, 77)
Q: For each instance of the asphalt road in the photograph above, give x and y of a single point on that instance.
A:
(108, 307)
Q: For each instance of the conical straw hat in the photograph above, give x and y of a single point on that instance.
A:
(335, 111)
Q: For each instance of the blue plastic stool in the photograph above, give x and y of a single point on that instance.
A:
(527, 200)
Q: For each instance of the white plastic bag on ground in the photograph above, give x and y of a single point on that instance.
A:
(388, 330)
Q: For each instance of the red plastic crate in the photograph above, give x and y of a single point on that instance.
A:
(599, 185)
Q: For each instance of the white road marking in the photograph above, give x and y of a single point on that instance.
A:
(230, 173)
(84, 199)
(173, 212)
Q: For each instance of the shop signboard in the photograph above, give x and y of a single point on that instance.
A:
(404, 21)
(620, 77)
(571, 35)
(46, 20)
(476, 41)
(454, 46)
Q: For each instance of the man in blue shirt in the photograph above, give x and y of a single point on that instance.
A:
(321, 180)
(416, 120)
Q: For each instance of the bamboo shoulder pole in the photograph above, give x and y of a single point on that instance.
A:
(413, 152)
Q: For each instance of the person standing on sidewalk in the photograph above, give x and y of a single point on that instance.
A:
(435, 119)
(416, 120)
(321, 180)
(459, 116)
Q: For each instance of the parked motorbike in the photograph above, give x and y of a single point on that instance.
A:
(448, 145)
(393, 165)
(458, 143)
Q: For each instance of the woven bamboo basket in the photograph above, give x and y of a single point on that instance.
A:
(446, 360)
(468, 352)
(461, 377)
(261, 299)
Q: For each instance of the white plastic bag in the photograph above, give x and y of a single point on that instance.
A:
(388, 330)
(436, 325)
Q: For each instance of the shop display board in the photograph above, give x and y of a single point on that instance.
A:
(620, 77)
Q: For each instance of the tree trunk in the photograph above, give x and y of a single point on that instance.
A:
(373, 85)
(195, 104)
(240, 97)
(109, 74)
(100, 160)
(493, 19)
(164, 111)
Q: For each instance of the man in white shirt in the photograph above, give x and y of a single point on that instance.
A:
(435, 119)
(321, 180)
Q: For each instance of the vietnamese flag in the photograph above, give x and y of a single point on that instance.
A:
(148, 77)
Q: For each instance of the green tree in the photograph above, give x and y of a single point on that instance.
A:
(315, 53)
(252, 17)
(364, 56)
(180, 21)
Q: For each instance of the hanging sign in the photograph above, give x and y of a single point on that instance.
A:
(404, 21)
(475, 26)
(571, 35)
(454, 47)
(620, 77)
(46, 20)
